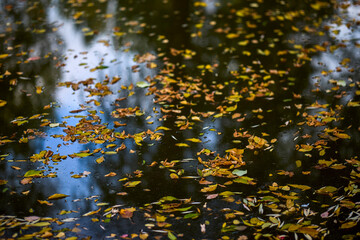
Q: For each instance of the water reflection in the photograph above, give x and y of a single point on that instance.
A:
(86, 33)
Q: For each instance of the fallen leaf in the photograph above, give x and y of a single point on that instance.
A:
(57, 196)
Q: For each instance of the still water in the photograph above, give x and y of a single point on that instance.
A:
(234, 71)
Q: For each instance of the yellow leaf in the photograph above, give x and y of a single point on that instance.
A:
(326, 190)
(209, 188)
(353, 104)
(231, 109)
(57, 196)
(182, 145)
(91, 213)
(348, 225)
(174, 176)
(193, 140)
(132, 184)
(342, 135)
(4, 56)
(162, 128)
(45, 202)
(100, 160)
(2, 103)
(305, 148)
(232, 35)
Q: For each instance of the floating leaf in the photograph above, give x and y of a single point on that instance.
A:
(353, 104)
(209, 188)
(100, 160)
(45, 202)
(348, 225)
(171, 236)
(52, 125)
(3, 182)
(82, 154)
(132, 183)
(91, 213)
(4, 55)
(2, 103)
(239, 172)
(162, 128)
(57, 196)
(174, 176)
(182, 145)
(193, 140)
(34, 173)
(192, 215)
(127, 212)
(231, 109)
(326, 190)
(142, 84)
(40, 224)
(302, 187)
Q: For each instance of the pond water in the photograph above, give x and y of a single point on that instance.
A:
(179, 119)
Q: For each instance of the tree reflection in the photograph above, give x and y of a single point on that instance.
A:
(237, 62)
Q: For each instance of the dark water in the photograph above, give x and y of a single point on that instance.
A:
(54, 42)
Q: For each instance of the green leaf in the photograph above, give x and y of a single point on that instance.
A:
(142, 84)
(239, 172)
(168, 198)
(40, 224)
(199, 172)
(102, 67)
(302, 187)
(171, 236)
(82, 154)
(34, 173)
(192, 215)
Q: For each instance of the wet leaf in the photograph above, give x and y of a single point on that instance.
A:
(302, 187)
(2, 103)
(326, 190)
(100, 160)
(91, 213)
(57, 196)
(132, 183)
(82, 154)
(192, 215)
(171, 236)
(142, 84)
(34, 173)
(182, 145)
(348, 225)
(3, 182)
(127, 212)
(210, 188)
(239, 172)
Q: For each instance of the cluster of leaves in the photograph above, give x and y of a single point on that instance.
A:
(184, 97)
